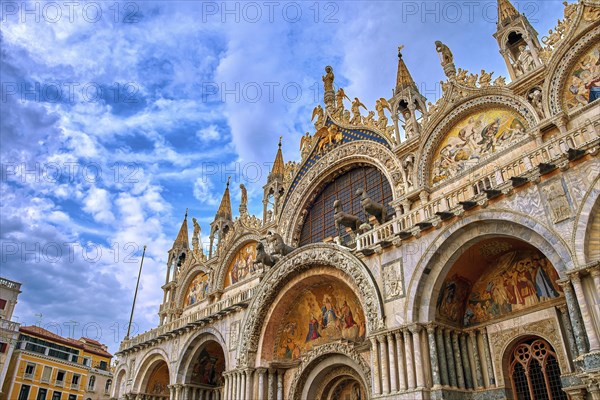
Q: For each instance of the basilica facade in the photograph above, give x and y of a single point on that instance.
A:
(417, 251)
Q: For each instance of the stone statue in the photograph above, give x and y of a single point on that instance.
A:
(356, 117)
(328, 79)
(279, 246)
(244, 199)
(446, 58)
(342, 218)
(196, 233)
(262, 257)
(500, 81)
(472, 80)
(305, 144)
(371, 207)
(382, 120)
(524, 62)
(535, 98)
(339, 100)
(462, 75)
(320, 114)
(409, 165)
(485, 79)
(370, 119)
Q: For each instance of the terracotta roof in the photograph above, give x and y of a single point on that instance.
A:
(78, 344)
(91, 341)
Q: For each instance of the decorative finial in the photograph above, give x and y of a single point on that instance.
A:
(400, 50)
(280, 138)
(228, 179)
(186, 213)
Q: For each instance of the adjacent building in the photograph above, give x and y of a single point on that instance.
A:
(46, 366)
(9, 330)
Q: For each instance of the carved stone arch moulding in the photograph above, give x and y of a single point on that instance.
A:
(218, 281)
(448, 245)
(502, 343)
(140, 375)
(319, 254)
(582, 222)
(197, 339)
(187, 280)
(560, 67)
(474, 104)
(311, 359)
(361, 151)
(332, 375)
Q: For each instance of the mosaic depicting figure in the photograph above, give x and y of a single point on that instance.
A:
(452, 299)
(242, 265)
(197, 290)
(320, 314)
(209, 366)
(518, 280)
(473, 138)
(583, 82)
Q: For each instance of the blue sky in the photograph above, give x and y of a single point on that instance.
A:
(117, 116)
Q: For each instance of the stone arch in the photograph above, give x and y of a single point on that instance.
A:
(445, 249)
(586, 216)
(436, 133)
(219, 278)
(191, 347)
(562, 61)
(357, 152)
(120, 379)
(191, 273)
(323, 359)
(318, 254)
(150, 360)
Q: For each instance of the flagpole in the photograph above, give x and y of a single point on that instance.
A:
(135, 295)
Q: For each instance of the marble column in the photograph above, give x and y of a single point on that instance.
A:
(249, 385)
(279, 385)
(242, 391)
(433, 357)
(420, 378)
(383, 356)
(465, 361)
(442, 356)
(566, 323)
(236, 385)
(458, 361)
(375, 364)
(574, 316)
(401, 361)
(488, 357)
(392, 361)
(177, 391)
(410, 366)
(171, 392)
(585, 313)
(476, 359)
(261, 383)
(450, 358)
(270, 385)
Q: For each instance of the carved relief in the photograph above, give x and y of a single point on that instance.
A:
(557, 200)
(234, 335)
(393, 280)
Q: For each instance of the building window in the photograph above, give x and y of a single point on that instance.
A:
(75, 381)
(3, 347)
(56, 395)
(534, 372)
(92, 382)
(319, 223)
(41, 394)
(2, 304)
(46, 374)
(24, 393)
(103, 365)
(29, 371)
(60, 378)
(87, 361)
(107, 386)
(72, 397)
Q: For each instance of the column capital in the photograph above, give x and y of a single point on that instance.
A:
(562, 308)
(471, 333)
(430, 327)
(575, 278)
(261, 370)
(415, 329)
(398, 334)
(565, 284)
(595, 271)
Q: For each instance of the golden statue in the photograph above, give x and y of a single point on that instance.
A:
(320, 114)
(356, 117)
(339, 100)
(382, 120)
(328, 79)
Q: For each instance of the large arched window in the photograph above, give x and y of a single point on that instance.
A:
(534, 372)
(319, 223)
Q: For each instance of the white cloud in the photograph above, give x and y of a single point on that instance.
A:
(98, 204)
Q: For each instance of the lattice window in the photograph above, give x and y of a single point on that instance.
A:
(535, 373)
(319, 223)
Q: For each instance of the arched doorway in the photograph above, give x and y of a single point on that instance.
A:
(203, 375)
(534, 371)
(337, 382)
(156, 381)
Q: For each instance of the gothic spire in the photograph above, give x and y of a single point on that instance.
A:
(278, 166)
(225, 207)
(182, 237)
(403, 78)
(506, 12)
